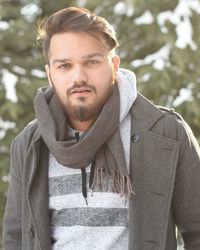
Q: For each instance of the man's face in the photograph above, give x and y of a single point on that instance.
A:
(82, 73)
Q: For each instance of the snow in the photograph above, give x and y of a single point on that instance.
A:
(29, 11)
(158, 58)
(180, 17)
(183, 28)
(9, 81)
(6, 59)
(122, 8)
(146, 18)
(38, 73)
(185, 94)
(4, 126)
(19, 70)
(81, 3)
(146, 77)
(4, 25)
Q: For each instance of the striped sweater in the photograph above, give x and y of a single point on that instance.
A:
(100, 225)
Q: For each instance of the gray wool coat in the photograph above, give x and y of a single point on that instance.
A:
(165, 173)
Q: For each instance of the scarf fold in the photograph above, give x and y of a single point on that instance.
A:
(102, 144)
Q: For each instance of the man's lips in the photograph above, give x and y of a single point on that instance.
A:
(80, 91)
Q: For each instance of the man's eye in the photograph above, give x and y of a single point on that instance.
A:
(92, 62)
(65, 66)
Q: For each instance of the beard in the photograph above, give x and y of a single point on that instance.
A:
(82, 111)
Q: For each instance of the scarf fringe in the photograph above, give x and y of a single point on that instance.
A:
(120, 184)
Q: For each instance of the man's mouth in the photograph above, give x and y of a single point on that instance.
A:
(80, 91)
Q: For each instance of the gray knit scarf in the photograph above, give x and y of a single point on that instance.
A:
(102, 145)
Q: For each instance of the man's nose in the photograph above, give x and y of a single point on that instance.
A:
(79, 74)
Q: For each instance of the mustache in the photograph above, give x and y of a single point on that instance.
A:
(80, 85)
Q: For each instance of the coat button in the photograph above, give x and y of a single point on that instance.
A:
(135, 137)
(30, 233)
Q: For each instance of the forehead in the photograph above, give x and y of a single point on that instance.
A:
(75, 45)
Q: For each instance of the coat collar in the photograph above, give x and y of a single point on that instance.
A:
(144, 113)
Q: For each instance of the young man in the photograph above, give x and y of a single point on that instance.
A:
(101, 167)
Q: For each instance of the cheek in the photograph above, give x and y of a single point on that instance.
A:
(107, 74)
(59, 82)
(59, 89)
(105, 84)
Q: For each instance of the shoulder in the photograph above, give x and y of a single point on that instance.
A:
(149, 111)
(21, 143)
(170, 112)
(145, 104)
(175, 124)
(161, 120)
(27, 136)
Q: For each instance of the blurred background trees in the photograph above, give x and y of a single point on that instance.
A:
(159, 41)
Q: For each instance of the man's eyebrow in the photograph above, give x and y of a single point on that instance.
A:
(61, 61)
(93, 55)
(89, 56)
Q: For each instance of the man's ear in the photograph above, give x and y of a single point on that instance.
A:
(116, 63)
(48, 73)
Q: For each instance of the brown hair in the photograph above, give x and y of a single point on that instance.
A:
(75, 19)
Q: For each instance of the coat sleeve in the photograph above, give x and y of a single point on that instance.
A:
(186, 197)
(12, 232)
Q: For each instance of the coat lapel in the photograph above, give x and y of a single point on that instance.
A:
(153, 160)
